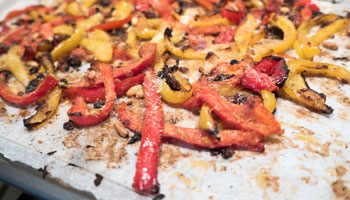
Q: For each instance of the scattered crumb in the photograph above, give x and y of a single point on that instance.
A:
(98, 179)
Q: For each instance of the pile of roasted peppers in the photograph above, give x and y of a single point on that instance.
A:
(129, 42)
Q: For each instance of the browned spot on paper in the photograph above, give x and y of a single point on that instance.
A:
(305, 179)
(265, 180)
(24, 113)
(341, 171)
(170, 155)
(174, 117)
(340, 190)
(304, 113)
(2, 108)
(71, 140)
(321, 149)
(102, 144)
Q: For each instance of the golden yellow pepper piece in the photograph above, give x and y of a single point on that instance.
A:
(209, 22)
(123, 9)
(206, 121)
(245, 33)
(269, 100)
(73, 8)
(102, 49)
(13, 63)
(88, 3)
(90, 22)
(63, 29)
(307, 47)
(176, 97)
(68, 45)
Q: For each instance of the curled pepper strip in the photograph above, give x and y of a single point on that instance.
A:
(188, 53)
(244, 139)
(145, 178)
(79, 114)
(46, 86)
(269, 100)
(250, 116)
(94, 94)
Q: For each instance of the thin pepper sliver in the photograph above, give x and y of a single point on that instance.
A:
(112, 25)
(46, 86)
(78, 112)
(145, 179)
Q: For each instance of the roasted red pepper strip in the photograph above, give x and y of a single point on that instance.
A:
(250, 116)
(80, 117)
(145, 178)
(128, 69)
(46, 86)
(16, 36)
(163, 8)
(233, 16)
(275, 67)
(225, 36)
(94, 94)
(112, 25)
(147, 53)
(254, 80)
(244, 139)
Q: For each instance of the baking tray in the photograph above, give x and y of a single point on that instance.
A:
(310, 161)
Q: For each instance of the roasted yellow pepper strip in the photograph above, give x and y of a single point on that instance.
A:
(88, 3)
(63, 29)
(289, 37)
(13, 63)
(73, 8)
(90, 22)
(68, 45)
(309, 68)
(289, 33)
(99, 44)
(48, 108)
(123, 9)
(244, 34)
(188, 53)
(206, 121)
(307, 47)
(176, 97)
(269, 100)
(209, 22)
(296, 89)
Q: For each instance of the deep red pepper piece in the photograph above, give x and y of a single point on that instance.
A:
(94, 94)
(254, 80)
(243, 139)
(145, 179)
(275, 67)
(46, 86)
(78, 113)
(250, 116)
(112, 25)
(233, 16)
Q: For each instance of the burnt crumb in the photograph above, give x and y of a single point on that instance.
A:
(168, 32)
(183, 69)
(44, 171)
(343, 58)
(75, 114)
(73, 165)
(73, 61)
(89, 146)
(51, 153)
(275, 33)
(98, 179)
(234, 61)
(209, 54)
(69, 126)
(222, 77)
(239, 99)
(33, 84)
(62, 83)
(150, 14)
(58, 39)
(155, 189)
(135, 138)
(3, 48)
(226, 153)
(99, 104)
(105, 3)
(33, 70)
(159, 197)
(169, 78)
